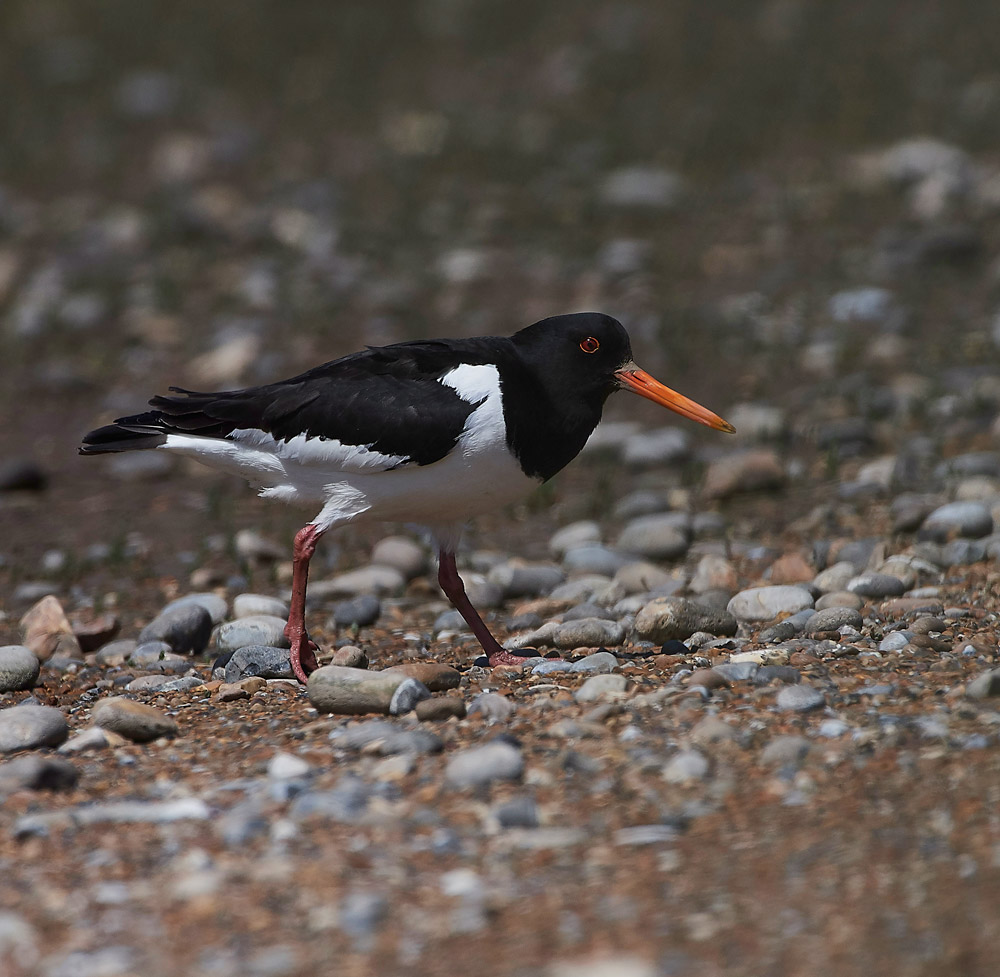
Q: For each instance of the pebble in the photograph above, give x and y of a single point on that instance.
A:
(91, 738)
(349, 656)
(575, 534)
(481, 765)
(788, 750)
(658, 537)
(894, 641)
(599, 687)
(187, 629)
(832, 728)
(713, 573)
(374, 579)
(116, 653)
(402, 554)
(355, 691)
(840, 598)
(287, 766)
(875, 585)
(36, 772)
(984, 685)
(217, 607)
(262, 629)
(800, 698)
(491, 707)
(265, 661)
(133, 720)
(600, 662)
(832, 619)
(594, 559)
(27, 727)
(46, 630)
(587, 632)
(436, 676)
(743, 471)
(835, 578)
(114, 812)
(667, 618)
(640, 577)
(517, 578)
(657, 448)
(711, 731)
(686, 766)
(968, 519)
(766, 603)
(145, 683)
(439, 708)
(360, 611)
(19, 668)
(257, 605)
(519, 812)
(258, 549)
(642, 187)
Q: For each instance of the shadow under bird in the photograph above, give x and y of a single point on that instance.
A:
(434, 431)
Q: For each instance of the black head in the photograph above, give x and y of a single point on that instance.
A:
(579, 352)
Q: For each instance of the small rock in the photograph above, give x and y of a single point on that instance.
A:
(574, 535)
(36, 773)
(19, 668)
(832, 619)
(713, 573)
(22, 475)
(287, 766)
(264, 661)
(599, 663)
(27, 727)
(800, 698)
(483, 765)
(588, 632)
(116, 653)
(984, 685)
(743, 471)
(686, 767)
(658, 537)
(355, 691)
(91, 738)
(598, 687)
(668, 618)
(133, 720)
(217, 607)
(784, 751)
(657, 448)
(437, 677)
(259, 630)
(712, 731)
(491, 707)
(46, 630)
(517, 578)
(250, 545)
(969, 519)
(361, 611)
(876, 585)
(258, 605)
(187, 629)
(519, 812)
(642, 187)
(349, 656)
(402, 554)
(835, 578)
(230, 692)
(708, 678)
(766, 603)
(840, 598)
(373, 579)
(440, 708)
(594, 559)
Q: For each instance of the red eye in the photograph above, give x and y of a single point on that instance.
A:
(590, 345)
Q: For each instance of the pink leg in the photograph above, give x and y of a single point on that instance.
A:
(303, 649)
(451, 584)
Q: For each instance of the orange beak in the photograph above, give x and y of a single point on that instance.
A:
(640, 382)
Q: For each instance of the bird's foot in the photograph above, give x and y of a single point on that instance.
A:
(505, 657)
(303, 657)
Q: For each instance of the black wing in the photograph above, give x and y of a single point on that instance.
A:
(388, 398)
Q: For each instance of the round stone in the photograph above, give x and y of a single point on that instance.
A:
(800, 698)
(876, 585)
(402, 554)
(360, 611)
(264, 661)
(598, 687)
(133, 720)
(262, 629)
(28, 727)
(256, 605)
(483, 765)
(668, 618)
(186, 629)
(658, 537)
(217, 607)
(832, 619)
(19, 668)
(766, 603)
(589, 632)
(968, 519)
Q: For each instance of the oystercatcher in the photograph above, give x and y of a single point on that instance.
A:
(432, 431)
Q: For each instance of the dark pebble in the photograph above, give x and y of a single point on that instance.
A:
(361, 611)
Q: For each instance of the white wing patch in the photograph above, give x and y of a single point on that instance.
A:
(328, 454)
(485, 428)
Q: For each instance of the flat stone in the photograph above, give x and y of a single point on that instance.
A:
(262, 629)
(595, 559)
(669, 618)
(147, 683)
(832, 619)
(588, 632)
(518, 578)
(133, 720)
(834, 577)
(217, 607)
(598, 687)
(47, 631)
(355, 691)
(440, 708)
(373, 579)
(256, 605)
(37, 773)
(788, 750)
(114, 812)
(575, 534)
(968, 519)
(19, 668)
(641, 577)
(187, 629)
(875, 585)
(657, 448)
(840, 598)
(900, 606)
(708, 678)
(287, 766)
(599, 663)
(491, 707)
(800, 698)
(116, 653)
(360, 611)
(437, 677)
(91, 738)
(714, 573)
(686, 767)
(29, 727)
(349, 656)
(984, 685)
(482, 765)
(743, 471)
(766, 603)
(402, 554)
(264, 661)
(666, 536)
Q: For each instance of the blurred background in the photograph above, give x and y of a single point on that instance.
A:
(786, 202)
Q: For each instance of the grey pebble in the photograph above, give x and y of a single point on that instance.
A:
(27, 727)
(354, 691)
(362, 611)
(800, 698)
(116, 653)
(187, 629)
(832, 728)
(832, 619)
(402, 554)
(667, 618)
(895, 640)
(598, 687)
(554, 666)
(575, 534)
(492, 707)
(257, 605)
(600, 662)
(876, 585)
(372, 579)
(146, 683)
(133, 720)
(840, 598)
(737, 671)
(477, 766)
(969, 519)
(784, 751)
(407, 695)
(360, 735)
(36, 772)
(343, 803)
(984, 685)
(360, 915)
(766, 603)
(643, 577)
(264, 661)
(261, 629)
(519, 812)
(594, 559)
(658, 537)
(766, 674)
(19, 668)
(686, 766)
(781, 631)
(520, 579)
(652, 449)
(91, 738)
(587, 632)
(217, 607)
(287, 766)
(183, 684)
(114, 812)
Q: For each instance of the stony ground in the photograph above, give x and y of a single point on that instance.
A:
(767, 740)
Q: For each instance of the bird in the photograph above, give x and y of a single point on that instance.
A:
(433, 432)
